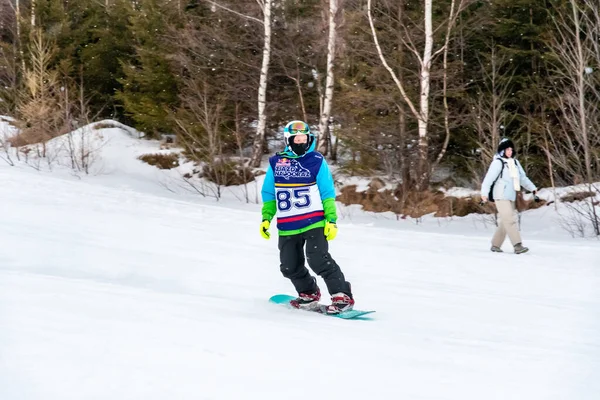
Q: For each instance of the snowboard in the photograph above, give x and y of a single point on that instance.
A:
(285, 299)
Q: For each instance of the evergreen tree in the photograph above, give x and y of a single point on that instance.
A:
(149, 86)
(105, 45)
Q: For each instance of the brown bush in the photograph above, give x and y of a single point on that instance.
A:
(104, 125)
(349, 195)
(376, 184)
(227, 173)
(577, 196)
(417, 204)
(34, 135)
(22, 139)
(160, 160)
(377, 199)
(462, 206)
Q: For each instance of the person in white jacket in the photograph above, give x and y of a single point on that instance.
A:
(503, 180)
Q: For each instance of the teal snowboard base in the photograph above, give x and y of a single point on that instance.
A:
(285, 299)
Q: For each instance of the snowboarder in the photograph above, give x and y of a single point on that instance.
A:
(503, 180)
(298, 189)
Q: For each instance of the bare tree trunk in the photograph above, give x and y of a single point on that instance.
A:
(300, 94)
(329, 80)
(32, 13)
(490, 111)
(498, 100)
(259, 139)
(546, 149)
(581, 60)
(386, 65)
(593, 21)
(404, 159)
(239, 142)
(298, 82)
(397, 80)
(425, 77)
(18, 41)
(445, 90)
(334, 148)
(578, 95)
(425, 61)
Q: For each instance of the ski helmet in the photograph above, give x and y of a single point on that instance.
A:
(295, 128)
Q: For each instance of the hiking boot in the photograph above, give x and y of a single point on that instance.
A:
(307, 301)
(519, 248)
(496, 249)
(340, 302)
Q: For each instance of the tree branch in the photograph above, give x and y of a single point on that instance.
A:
(386, 65)
(235, 12)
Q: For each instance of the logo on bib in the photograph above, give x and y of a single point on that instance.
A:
(290, 168)
(283, 162)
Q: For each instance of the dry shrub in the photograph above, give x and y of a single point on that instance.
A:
(348, 195)
(421, 203)
(34, 135)
(462, 206)
(40, 108)
(524, 205)
(25, 139)
(104, 125)
(577, 196)
(227, 173)
(373, 199)
(416, 204)
(398, 201)
(160, 160)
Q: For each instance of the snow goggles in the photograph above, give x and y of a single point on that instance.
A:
(299, 128)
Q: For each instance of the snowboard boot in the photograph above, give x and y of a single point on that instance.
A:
(307, 301)
(496, 249)
(340, 302)
(519, 248)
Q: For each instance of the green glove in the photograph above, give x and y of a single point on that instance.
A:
(264, 229)
(330, 230)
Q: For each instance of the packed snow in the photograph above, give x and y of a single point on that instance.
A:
(125, 284)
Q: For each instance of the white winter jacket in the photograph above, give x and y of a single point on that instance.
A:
(504, 188)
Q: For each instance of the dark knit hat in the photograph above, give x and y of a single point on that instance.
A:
(505, 144)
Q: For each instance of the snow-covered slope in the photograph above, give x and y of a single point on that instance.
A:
(112, 287)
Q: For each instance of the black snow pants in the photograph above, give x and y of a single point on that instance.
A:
(291, 254)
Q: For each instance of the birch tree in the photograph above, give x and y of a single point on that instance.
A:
(17, 40)
(18, 25)
(266, 7)
(259, 139)
(327, 99)
(420, 109)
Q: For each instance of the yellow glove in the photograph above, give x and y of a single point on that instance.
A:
(264, 229)
(330, 230)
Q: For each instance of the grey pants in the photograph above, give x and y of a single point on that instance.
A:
(291, 254)
(507, 223)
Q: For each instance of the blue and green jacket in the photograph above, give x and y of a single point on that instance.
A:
(299, 191)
